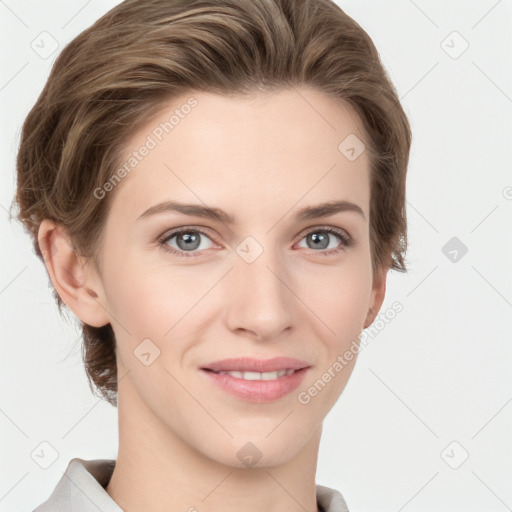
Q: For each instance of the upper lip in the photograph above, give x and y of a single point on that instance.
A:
(248, 364)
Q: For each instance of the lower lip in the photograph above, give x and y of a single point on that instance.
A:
(259, 391)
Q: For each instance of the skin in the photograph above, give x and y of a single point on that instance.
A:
(178, 434)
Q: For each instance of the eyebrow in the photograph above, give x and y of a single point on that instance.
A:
(198, 210)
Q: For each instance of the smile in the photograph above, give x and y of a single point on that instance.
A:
(257, 375)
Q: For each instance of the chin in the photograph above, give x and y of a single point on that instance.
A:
(256, 451)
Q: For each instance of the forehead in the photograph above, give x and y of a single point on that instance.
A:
(246, 150)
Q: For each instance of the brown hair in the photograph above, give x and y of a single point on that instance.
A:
(114, 77)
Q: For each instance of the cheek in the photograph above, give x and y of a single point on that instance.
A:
(338, 298)
(160, 304)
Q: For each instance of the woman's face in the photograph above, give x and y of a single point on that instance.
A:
(268, 283)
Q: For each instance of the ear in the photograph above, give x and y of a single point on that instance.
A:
(78, 285)
(377, 296)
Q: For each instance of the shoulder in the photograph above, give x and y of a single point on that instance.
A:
(82, 487)
(330, 500)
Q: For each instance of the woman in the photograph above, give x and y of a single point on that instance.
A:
(217, 189)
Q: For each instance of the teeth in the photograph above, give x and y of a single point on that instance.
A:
(258, 375)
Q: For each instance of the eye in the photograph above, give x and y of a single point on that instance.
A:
(187, 240)
(320, 238)
(189, 244)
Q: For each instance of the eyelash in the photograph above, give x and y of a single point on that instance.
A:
(346, 240)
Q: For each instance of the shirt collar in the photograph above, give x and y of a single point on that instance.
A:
(82, 487)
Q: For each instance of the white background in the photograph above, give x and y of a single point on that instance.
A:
(439, 372)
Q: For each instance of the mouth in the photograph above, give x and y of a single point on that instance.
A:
(253, 365)
(255, 375)
(256, 380)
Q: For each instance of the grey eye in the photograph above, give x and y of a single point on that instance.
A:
(187, 240)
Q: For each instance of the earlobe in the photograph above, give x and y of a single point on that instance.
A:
(80, 289)
(377, 296)
(369, 318)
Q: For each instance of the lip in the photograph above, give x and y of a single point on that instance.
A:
(257, 391)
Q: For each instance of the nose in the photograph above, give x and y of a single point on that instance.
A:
(260, 297)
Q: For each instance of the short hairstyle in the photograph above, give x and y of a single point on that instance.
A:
(116, 75)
